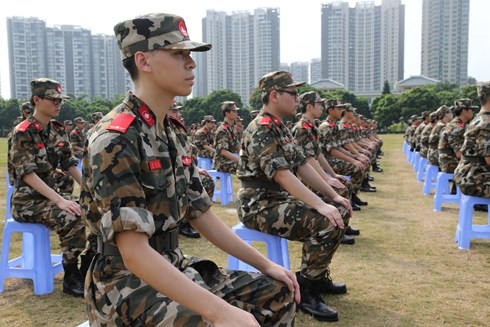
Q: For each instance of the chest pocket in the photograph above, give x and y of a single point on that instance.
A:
(156, 173)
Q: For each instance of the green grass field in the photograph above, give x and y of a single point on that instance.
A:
(404, 270)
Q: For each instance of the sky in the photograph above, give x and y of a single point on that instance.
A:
(300, 25)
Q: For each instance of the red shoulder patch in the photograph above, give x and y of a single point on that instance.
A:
(121, 122)
(265, 121)
(461, 124)
(331, 124)
(276, 121)
(37, 126)
(23, 126)
(306, 125)
(147, 115)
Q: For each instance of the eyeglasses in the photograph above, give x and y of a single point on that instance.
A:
(294, 94)
(55, 101)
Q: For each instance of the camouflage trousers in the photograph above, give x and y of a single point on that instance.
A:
(345, 192)
(281, 214)
(346, 168)
(473, 179)
(113, 304)
(208, 184)
(64, 184)
(224, 165)
(70, 228)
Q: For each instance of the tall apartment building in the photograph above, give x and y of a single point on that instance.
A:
(300, 71)
(245, 47)
(315, 70)
(445, 29)
(83, 63)
(361, 47)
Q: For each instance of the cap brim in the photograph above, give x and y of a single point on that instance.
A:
(296, 84)
(189, 45)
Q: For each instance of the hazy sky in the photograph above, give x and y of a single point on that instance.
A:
(300, 25)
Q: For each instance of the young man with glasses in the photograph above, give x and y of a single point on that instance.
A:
(275, 197)
(39, 146)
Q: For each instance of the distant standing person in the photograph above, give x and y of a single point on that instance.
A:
(226, 144)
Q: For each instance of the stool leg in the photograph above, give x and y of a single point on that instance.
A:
(465, 222)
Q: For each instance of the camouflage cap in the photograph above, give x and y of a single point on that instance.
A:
(155, 31)
(175, 106)
(483, 89)
(464, 104)
(46, 87)
(349, 107)
(425, 115)
(277, 80)
(209, 118)
(97, 115)
(433, 115)
(228, 106)
(67, 122)
(27, 108)
(79, 120)
(414, 117)
(309, 98)
(332, 103)
(442, 111)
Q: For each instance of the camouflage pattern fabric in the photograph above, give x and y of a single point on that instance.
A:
(138, 176)
(433, 154)
(328, 132)
(203, 137)
(305, 134)
(208, 184)
(345, 135)
(77, 138)
(424, 140)
(472, 174)
(225, 139)
(418, 134)
(450, 142)
(39, 150)
(64, 184)
(267, 146)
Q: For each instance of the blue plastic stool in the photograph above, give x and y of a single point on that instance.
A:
(430, 178)
(79, 165)
(405, 149)
(204, 163)
(443, 191)
(36, 262)
(416, 162)
(225, 189)
(422, 166)
(277, 247)
(466, 230)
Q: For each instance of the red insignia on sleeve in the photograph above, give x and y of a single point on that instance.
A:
(265, 121)
(306, 125)
(155, 164)
(40, 145)
(60, 144)
(186, 160)
(331, 124)
(121, 123)
(22, 127)
(147, 115)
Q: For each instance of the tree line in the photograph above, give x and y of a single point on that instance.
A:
(390, 110)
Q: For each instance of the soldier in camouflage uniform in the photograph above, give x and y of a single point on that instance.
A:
(452, 135)
(444, 115)
(342, 161)
(424, 135)
(472, 174)
(77, 137)
(39, 145)
(204, 138)
(305, 134)
(26, 109)
(418, 131)
(273, 200)
(225, 142)
(139, 182)
(411, 131)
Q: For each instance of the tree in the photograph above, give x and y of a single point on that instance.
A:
(386, 110)
(386, 88)
(417, 100)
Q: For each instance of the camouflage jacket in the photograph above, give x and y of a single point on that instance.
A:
(328, 136)
(225, 139)
(138, 175)
(346, 135)
(450, 142)
(77, 138)
(267, 146)
(203, 137)
(473, 173)
(418, 134)
(424, 140)
(35, 149)
(305, 134)
(433, 154)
